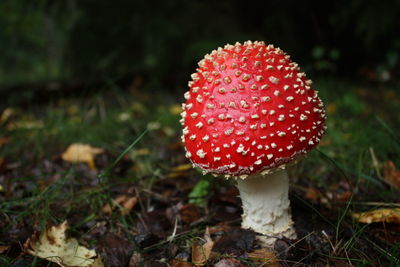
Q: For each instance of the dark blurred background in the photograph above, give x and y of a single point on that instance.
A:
(74, 44)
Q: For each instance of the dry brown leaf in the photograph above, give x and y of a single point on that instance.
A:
(201, 253)
(135, 259)
(4, 140)
(81, 153)
(265, 257)
(343, 196)
(97, 262)
(391, 174)
(53, 246)
(220, 227)
(180, 263)
(312, 194)
(229, 262)
(107, 209)
(3, 248)
(189, 213)
(126, 203)
(379, 215)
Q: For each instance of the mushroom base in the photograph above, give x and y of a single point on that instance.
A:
(266, 206)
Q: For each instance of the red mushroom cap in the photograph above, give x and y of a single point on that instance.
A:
(249, 109)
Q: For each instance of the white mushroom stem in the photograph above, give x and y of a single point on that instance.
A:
(266, 206)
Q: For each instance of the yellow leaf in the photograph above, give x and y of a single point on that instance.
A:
(179, 170)
(53, 246)
(81, 153)
(379, 215)
(182, 168)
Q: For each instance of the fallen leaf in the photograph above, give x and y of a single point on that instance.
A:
(312, 194)
(220, 227)
(343, 196)
(3, 248)
(189, 213)
(97, 263)
(81, 153)
(229, 262)
(126, 203)
(182, 168)
(235, 242)
(117, 248)
(135, 259)
(4, 140)
(391, 174)
(179, 263)
(6, 114)
(53, 246)
(264, 257)
(379, 215)
(201, 253)
(179, 170)
(25, 125)
(124, 116)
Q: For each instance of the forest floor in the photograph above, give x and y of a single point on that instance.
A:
(133, 197)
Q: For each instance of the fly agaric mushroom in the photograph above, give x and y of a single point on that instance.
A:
(250, 112)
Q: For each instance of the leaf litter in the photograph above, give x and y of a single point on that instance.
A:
(378, 215)
(134, 228)
(52, 245)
